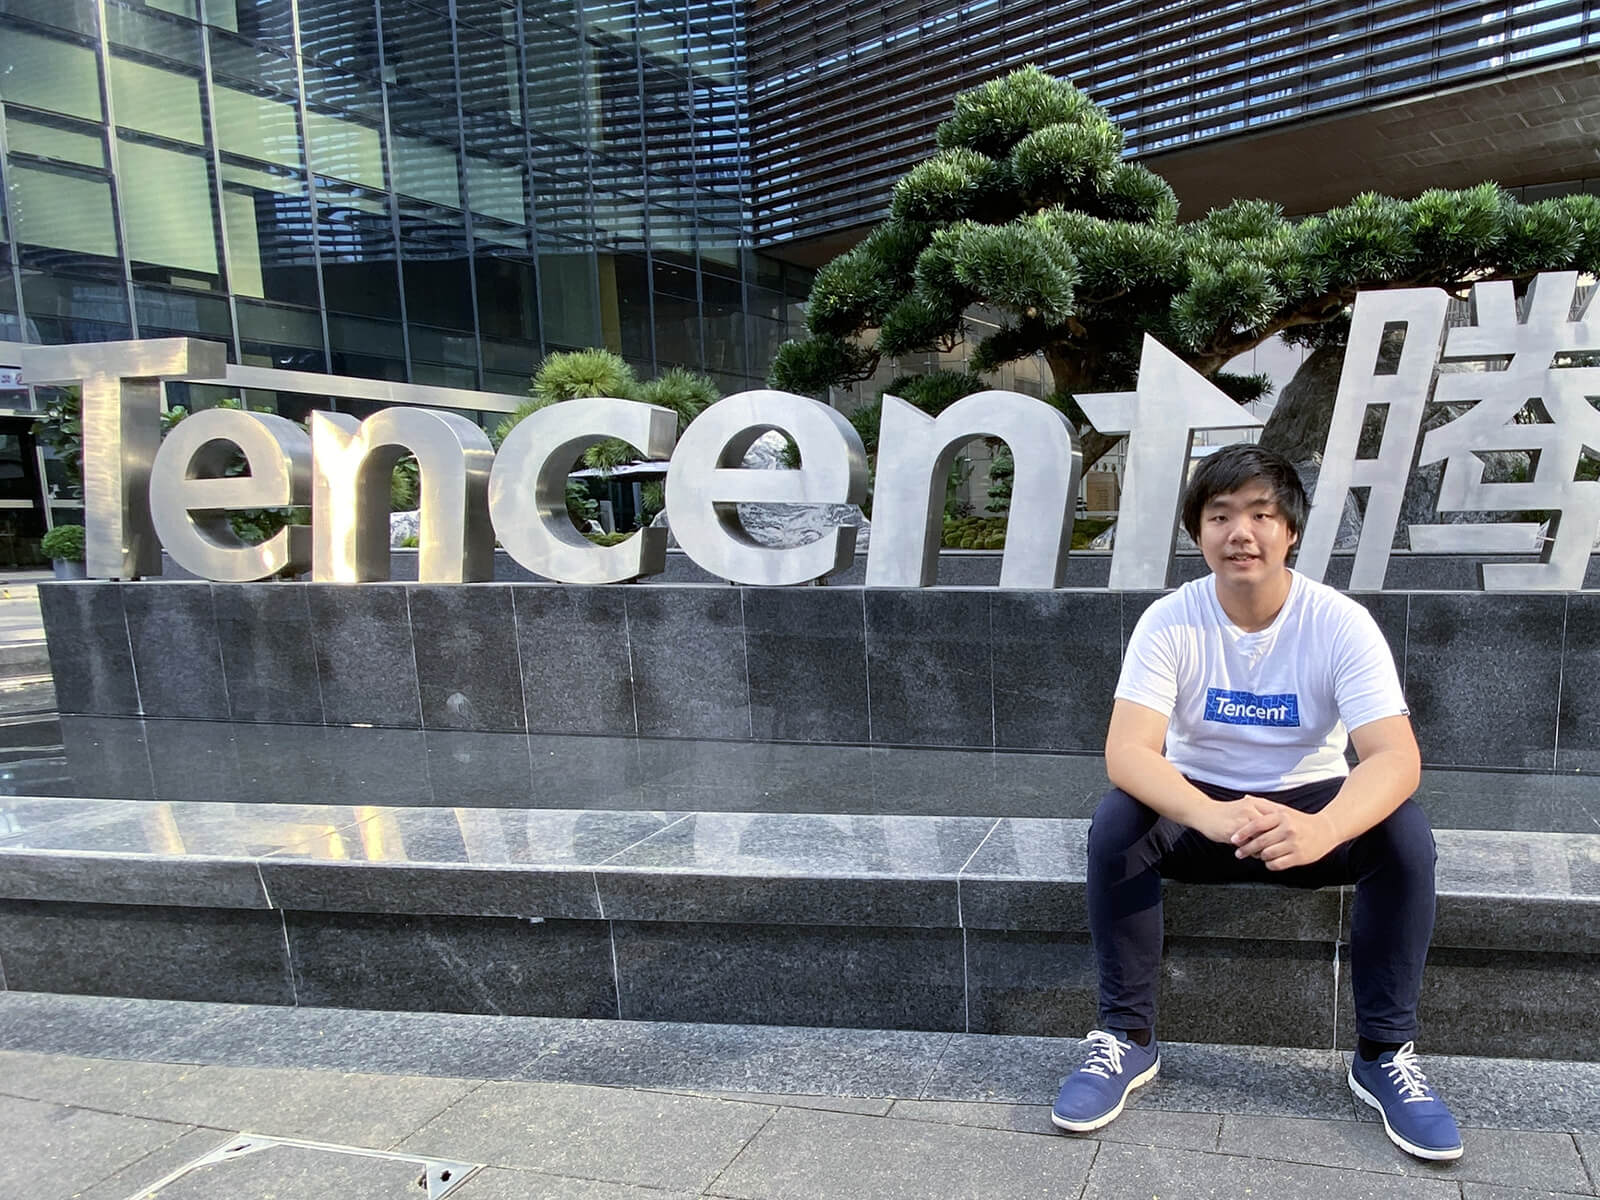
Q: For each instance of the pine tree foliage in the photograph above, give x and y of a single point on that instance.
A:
(576, 374)
(1028, 211)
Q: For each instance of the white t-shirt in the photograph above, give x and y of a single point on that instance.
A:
(1261, 711)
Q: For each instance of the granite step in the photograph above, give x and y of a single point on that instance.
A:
(944, 1078)
(24, 659)
(546, 1107)
(969, 924)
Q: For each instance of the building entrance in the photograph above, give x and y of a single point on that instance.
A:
(22, 514)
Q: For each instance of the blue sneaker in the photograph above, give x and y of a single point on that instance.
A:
(1415, 1119)
(1094, 1094)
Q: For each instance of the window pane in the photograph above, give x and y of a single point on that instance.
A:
(508, 306)
(489, 74)
(561, 200)
(557, 63)
(269, 236)
(625, 304)
(256, 127)
(49, 142)
(426, 170)
(567, 295)
(64, 212)
(724, 334)
(264, 323)
(77, 15)
(340, 33)
(417, 49)
(166, 204)
(141, 30)
(75, 310)
(181, 312)
(433, 248)
(44, 73)
(358, 259)
(443, 346)
(265, 20)
(344, 148)
(508, 300)
(495, 189)
(618, 220)
(677, 332)
(155, 101)
(252, 64)
(369, 348)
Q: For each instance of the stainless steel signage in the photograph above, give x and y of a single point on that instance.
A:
(142, 494)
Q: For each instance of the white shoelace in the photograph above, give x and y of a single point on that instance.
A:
(1105, 1060)
(1406, 1074)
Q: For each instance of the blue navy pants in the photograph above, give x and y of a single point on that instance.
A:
(1132, 849)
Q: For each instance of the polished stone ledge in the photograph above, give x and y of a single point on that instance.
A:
(931, 923)
(1497, 890)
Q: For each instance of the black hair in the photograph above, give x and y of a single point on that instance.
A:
(1231, 468)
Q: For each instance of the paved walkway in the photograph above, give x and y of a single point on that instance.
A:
(19, 606)
(102, 1099)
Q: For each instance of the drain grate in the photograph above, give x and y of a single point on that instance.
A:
(250, 1166)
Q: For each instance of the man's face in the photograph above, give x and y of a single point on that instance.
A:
(1244, 536)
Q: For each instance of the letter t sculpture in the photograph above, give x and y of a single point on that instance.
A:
(1173, 401)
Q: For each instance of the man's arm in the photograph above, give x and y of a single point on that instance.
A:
(1389, 771)
(1135, 763)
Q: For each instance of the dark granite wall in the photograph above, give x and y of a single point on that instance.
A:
(1497, 681)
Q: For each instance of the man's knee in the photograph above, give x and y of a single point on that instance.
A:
(1403, 840)
(1119, 821)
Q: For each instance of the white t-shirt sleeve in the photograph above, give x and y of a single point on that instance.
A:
(1150, 664)
(1366, 687)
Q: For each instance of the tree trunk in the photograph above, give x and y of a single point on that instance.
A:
(1093, 445)
(1070, 374)
(1298, 426)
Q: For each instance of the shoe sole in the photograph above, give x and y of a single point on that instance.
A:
(1368, 1098)
(1099, 1122)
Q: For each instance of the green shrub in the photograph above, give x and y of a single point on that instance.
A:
(989, 533)
(607, 539)
(405, 485)
(61, 429)
(64, 542)
(1086, 530)
(974, 533)
(572, 374)
(581, 506)
(652, 498)
(686, 393)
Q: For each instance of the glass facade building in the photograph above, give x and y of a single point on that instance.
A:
(845, 96)
(438, 192)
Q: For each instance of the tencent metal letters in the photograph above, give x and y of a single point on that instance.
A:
(143, 493)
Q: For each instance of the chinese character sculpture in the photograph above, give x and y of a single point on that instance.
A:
(1526, 379)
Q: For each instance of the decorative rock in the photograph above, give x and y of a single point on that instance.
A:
(1106, 539)
(784, 526)
(402, 525)
(1349, 519)
(788, 525)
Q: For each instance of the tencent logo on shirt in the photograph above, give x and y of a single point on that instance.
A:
(1246, 708)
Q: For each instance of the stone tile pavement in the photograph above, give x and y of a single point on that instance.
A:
(103, 1098)
(19, 606)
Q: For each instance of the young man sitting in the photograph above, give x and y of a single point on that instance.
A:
(1226, 752)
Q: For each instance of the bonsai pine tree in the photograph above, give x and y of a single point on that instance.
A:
(1029, 212)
